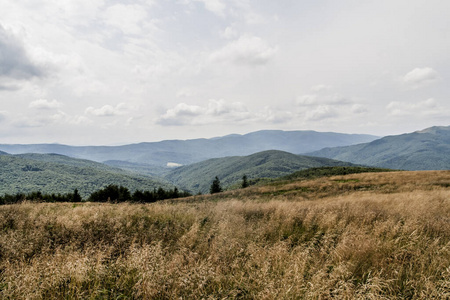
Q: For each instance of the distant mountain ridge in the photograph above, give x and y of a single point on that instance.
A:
(427, 149)
(196, 150)
(230, 170)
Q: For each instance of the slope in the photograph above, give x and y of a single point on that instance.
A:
(230, 170)
(59, 174)
(428, 149)
(196, 150)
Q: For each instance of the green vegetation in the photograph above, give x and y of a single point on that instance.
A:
(428, 149)
(230, 170)
(215, 186)
(358, 236)
(111, 193)
(114, 193)
(331, 171)
(40, 197)
(53, 174)
(244, 182)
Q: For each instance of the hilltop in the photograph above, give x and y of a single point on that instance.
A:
(230, 170)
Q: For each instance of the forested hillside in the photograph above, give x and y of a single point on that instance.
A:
(428, 149)
(60, 174)
(230, 170)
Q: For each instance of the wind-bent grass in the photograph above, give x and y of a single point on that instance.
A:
(368, 236)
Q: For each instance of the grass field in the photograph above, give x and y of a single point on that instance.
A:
(360, 236)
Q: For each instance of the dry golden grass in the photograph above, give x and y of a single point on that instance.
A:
(365, 236)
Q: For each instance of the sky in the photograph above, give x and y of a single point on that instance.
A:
(111, 72)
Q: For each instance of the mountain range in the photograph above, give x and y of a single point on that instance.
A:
(182, 152)
(427, 149)
(192, 164)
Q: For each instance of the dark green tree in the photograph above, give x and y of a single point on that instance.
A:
(76, 196)
(215, 186)
(244, 182)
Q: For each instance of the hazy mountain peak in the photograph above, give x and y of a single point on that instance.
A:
(435, 129)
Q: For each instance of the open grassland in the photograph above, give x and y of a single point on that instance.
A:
(366, 236)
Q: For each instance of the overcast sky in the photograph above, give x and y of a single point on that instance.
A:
(92, 72)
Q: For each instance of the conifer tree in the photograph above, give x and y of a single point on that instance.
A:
(215, 186)
(244, 181)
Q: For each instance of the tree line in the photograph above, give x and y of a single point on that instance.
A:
(110, 193)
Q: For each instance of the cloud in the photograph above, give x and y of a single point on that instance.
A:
(44, 104)
(323, 98)
(247, 50)
(128, 18)
(215, 6)
(268, 115)
(428, 106)
(420, 77)
(321, 112)
(306, 100)
(221, 112)
(358, 109)
(107, 110)
(42, 120)
(230, 33)
(15, 63)
(216, 111)
(8, 87)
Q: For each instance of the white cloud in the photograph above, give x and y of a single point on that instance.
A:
(247, 50)
(127, 18)
(107, 110)
(43, 120)
(215, 6)
(216, 111)
(420, 77)
(306, 100)
(321, 112)
(44, 104)
(271, 116)
(359, 109)
(428, 106)
(323, 98)
(230, 33)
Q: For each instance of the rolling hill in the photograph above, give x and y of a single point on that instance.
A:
(428, 149)
(196, 150)
(52, 173)
(230, 170)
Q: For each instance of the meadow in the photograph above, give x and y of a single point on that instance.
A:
(359, 236)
